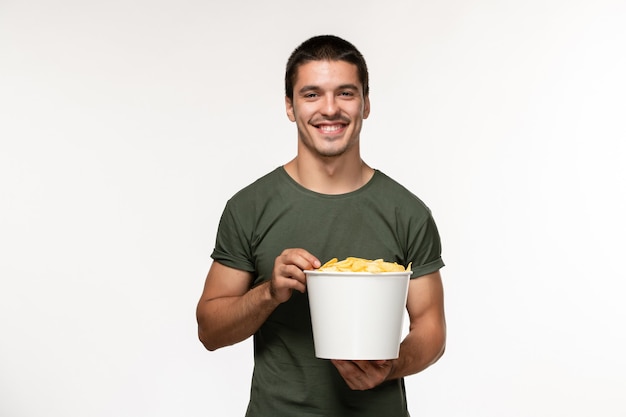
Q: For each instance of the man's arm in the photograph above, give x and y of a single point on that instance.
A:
(423, 346)
(229, 311)
(426, 341)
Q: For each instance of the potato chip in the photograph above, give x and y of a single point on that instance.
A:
(354, 264)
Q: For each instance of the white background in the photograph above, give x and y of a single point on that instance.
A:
(126, 125)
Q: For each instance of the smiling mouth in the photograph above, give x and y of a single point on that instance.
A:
(330, 128)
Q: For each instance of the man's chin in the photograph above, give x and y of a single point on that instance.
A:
(331, 151)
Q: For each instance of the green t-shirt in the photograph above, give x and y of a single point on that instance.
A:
(382, 219)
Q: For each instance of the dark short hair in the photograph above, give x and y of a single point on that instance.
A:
(325, 48)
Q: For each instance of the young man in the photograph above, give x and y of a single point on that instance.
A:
(326, 202)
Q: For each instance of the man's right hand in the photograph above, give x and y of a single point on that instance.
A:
(229, 311)
(288, 273)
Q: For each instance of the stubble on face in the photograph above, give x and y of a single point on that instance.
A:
(334, 145)
(328, 107)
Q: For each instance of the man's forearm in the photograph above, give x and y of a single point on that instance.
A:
(225, 321)
(421, 348)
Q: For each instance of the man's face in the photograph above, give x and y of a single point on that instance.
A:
(328, 107)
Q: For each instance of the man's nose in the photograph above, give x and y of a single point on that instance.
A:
(330, 107)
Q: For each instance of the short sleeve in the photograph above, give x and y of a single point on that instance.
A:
(425, 249)
(232, 244)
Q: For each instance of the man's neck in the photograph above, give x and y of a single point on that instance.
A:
(329, 176)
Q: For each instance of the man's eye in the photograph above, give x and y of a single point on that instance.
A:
(310, 95)
(346, 93)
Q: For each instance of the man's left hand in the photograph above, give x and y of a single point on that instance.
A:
(363, 375)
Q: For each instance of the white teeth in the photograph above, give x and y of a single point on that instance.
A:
(332, 128)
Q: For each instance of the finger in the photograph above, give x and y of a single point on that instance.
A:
(373, 372)
(291, 277)
(362, 365)
(354, 376)
(292, 272)
(347, 369)
(301, 258)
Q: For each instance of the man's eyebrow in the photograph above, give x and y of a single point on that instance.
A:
(308, 88)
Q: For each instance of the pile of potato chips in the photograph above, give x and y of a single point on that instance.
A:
(352, 264)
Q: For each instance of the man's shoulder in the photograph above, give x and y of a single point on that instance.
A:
(386, 181)
(263, 186)
(392, 189)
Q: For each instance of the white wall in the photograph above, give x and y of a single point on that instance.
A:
(125, 126)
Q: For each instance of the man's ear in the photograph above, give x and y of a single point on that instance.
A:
(289, 108)
(366, 107)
